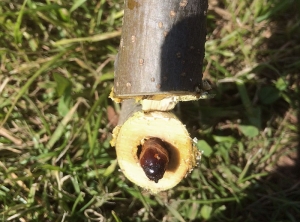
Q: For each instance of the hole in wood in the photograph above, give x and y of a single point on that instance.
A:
(157, 157)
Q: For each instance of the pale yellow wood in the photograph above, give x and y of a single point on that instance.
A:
(166, 101)
(165, 126)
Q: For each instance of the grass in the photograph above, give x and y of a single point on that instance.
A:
(56, 70)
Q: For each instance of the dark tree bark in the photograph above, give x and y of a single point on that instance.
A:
(160, 57)
(162, 48)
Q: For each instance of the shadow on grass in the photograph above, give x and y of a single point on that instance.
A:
(276, 197)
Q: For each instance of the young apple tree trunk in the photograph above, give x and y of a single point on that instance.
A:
(159, 63)
(161, 49)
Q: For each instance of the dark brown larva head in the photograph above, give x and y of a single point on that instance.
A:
(154, 158)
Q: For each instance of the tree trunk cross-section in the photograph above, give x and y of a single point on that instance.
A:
(183, 153)
(159, 63)
(161, 49)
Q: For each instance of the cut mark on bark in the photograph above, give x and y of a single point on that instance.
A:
(128, 84)
(152, 79)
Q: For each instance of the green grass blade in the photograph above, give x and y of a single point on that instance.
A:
(30, 81)
(17, 33)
